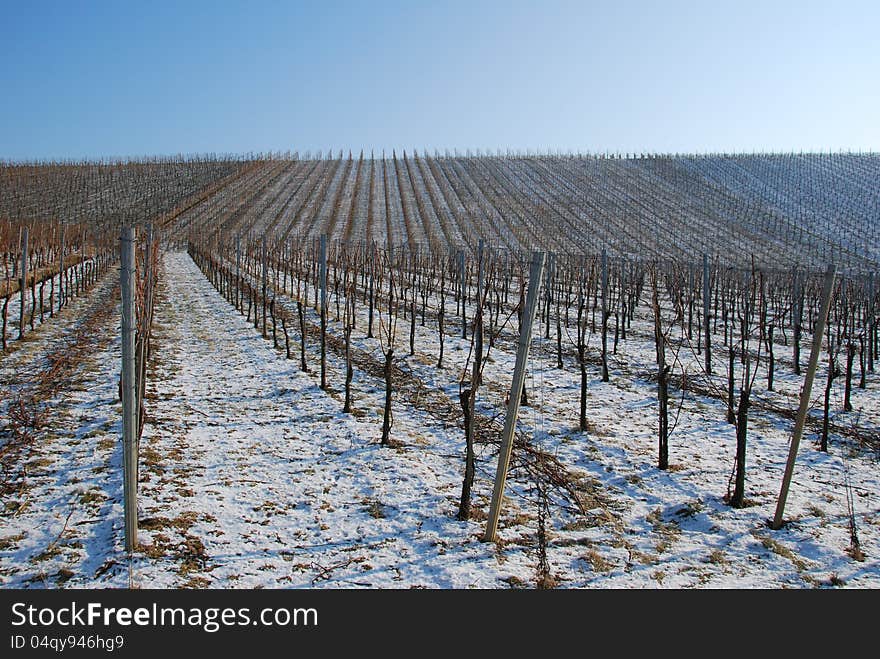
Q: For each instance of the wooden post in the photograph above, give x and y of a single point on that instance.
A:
(605, 315)
(519, 376)
(23, 273)
(61, 271)
(549, 276)
(691, 284)
(129, 406)
(80, 282)
(323, 274)
(142, 342)
(462, 286)
(463, 295)
(265, 256)
(238, 271)
(797, 313)
(372, 298)
(801, 420)
(478, 318)
(871, 324)
(706, 308)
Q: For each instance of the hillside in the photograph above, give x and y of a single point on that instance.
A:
(325, 348)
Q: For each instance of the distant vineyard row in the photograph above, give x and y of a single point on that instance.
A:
(785, 211)
(782, 210)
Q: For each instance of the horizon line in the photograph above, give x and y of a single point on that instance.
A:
(333, 154)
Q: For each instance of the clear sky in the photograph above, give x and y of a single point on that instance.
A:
(95, 79)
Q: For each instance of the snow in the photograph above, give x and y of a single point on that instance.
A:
(62, 521)
(50, 285)
(284, 489)
(251, 476)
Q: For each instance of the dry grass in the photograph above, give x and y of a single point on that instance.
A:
(93, 496)
(50, 552)
(597, 561)
(835, 580)
(479, 514)
(546, 582)
(11, 541)
(39, 463)
(107, 444)
(375, 508)
(716, 557)
(582, 524)
(781, 550)
(668, 531)
(150, 457)
(196, 583)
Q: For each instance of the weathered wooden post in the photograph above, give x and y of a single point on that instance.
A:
(691, 284)
(463, 293)
(238, 271)
(82, 259)
(871, 328)
(801, 420)
(61, 271)
(549, 275)
(605, 314)
(265, 256)
(323, 282)
(23, 273)
(142, 342)
(372, 267)
(519, 376)
(707, 337)
(797, 320)
(478, 318)
(129, 405)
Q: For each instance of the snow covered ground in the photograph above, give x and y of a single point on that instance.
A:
(62, 484)
(42, 296)
(251, 476)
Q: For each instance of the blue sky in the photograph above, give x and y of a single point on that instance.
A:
(100, 79)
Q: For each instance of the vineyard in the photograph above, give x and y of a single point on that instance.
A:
(414, 370)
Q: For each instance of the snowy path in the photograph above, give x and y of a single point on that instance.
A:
(258, 480)
(251, 477)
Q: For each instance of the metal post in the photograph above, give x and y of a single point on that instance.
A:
(827, 287)
(519, 376)
(129, 407)
(23, 272)
(323, 274)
